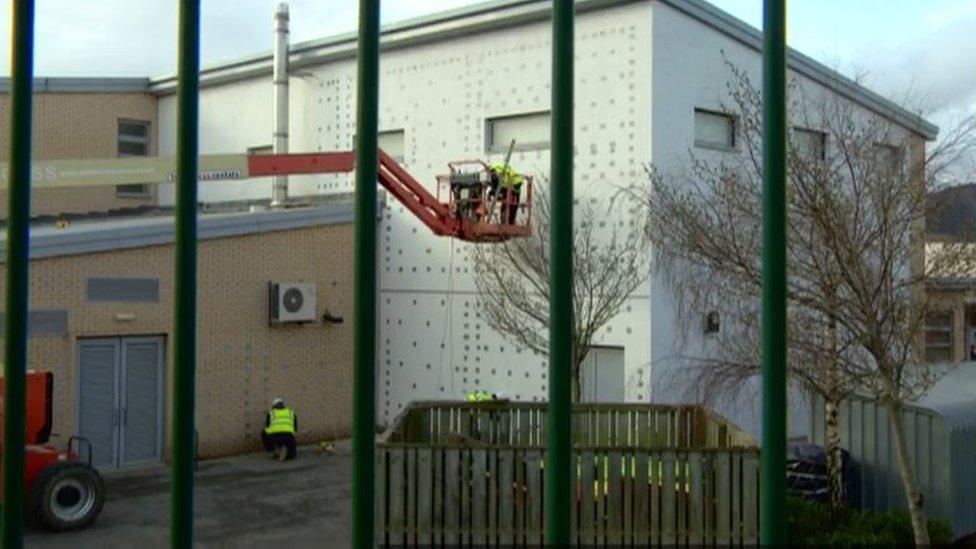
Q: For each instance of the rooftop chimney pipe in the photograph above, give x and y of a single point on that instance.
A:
(279, 189)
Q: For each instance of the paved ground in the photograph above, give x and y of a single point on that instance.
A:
(246, 501)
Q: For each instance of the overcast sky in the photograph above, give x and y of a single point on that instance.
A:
(927, 46)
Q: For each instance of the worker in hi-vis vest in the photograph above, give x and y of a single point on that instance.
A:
(278, 435)
(480, 396)
(509, 188)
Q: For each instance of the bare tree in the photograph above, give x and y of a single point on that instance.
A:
(610, 262)
(858, 269)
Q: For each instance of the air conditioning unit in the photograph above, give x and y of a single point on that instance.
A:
(291, 302)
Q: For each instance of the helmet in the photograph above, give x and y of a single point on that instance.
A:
(277, 402)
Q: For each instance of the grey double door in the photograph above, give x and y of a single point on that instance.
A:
(120, 399)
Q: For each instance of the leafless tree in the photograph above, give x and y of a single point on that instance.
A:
(857, 264)
(610, 262)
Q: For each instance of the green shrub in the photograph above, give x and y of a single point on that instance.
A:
(814, 524)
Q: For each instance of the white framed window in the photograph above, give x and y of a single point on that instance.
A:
(132, 139)
(812, 144)
(393, 143)
(715, 130)
(531, 132)
(938, 336)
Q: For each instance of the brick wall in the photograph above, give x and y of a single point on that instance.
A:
(243, 362)
(79, 125)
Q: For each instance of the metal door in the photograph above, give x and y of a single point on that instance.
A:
(602, 375)
(98, 421)
(120, 399)
(141, 401)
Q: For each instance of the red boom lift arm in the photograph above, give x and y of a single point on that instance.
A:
(474, 222)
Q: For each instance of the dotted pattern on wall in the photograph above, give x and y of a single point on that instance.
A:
(432, 341)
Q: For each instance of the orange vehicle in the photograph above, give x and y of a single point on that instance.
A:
(63, 492)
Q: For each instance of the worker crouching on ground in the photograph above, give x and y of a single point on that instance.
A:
(278, 435)
(508, 184)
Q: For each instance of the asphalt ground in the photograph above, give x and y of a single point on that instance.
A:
(242, 501)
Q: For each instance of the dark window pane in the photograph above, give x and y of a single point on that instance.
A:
(134, 129)
(130, 148)
(135, 189)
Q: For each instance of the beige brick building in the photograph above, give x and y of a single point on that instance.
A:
(85, 293)
(87, 118)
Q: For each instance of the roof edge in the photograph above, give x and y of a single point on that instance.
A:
(158, 231)
(72, 84)
(749, 36)
(399, 34)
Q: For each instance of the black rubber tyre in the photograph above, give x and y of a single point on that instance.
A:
(66, 496)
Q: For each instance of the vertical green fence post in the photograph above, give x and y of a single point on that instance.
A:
(774, 274)
(364, 383)
(18, 282)
(185, 290)
(559, 473)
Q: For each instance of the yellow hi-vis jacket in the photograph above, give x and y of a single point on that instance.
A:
(479, 396)
(507, 177)
(282, 421)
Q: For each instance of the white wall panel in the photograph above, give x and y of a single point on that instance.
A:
(689, 72)
(432, 343)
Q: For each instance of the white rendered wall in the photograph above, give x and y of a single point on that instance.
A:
(432, 343)
(689, 71)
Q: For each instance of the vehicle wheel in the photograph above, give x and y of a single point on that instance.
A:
(66, 496)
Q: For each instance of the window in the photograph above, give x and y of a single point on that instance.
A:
(714, 130)
(938, 337)
(260, 150)
(712, 324)
(811, 144)
(133, 140)
(888, 160)
(530, 131)
(392, 143)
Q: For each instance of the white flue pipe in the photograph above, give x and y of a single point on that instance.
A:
(279, 189)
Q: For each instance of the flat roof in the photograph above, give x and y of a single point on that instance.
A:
(89, 236)
(64, 84)
(495, 14)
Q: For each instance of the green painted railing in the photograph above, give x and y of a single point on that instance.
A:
(185, 286)
(18, 281)
(561, 277)
(364, 378)
(774, 272)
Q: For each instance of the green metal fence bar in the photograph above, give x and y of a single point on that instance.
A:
(18, 282)
(364, 359)
(773, 501)
(185, 312)
(559, 477)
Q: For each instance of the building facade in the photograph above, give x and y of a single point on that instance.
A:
(101, 320)
(78, 118)
(651, 88)
(462, 85)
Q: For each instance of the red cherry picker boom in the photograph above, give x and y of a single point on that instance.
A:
(475, 209)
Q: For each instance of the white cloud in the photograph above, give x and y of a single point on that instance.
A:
(138, 37)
